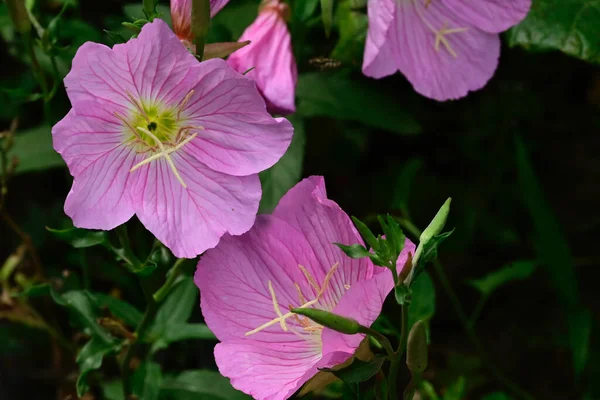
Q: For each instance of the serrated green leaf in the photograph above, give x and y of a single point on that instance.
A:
(119, 308)
(570, 26)
(366, 233)
(282, 176)
(354, 251)
(513, 271)
(199, 384)
(34, 151)
(90, 358)
(80, 238)
(336, 95)
(358, 371)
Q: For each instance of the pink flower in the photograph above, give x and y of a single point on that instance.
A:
(181, 14)
(288, 259)
(270, 54)
(445, 48)
(155, 133)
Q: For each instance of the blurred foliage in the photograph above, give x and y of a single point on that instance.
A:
(517, 305)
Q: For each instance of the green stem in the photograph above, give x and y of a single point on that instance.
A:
(397, 360)
(200, 24)
(140, 334)
(477, 312)
(172, 276)
(127, 253)
(381, 339)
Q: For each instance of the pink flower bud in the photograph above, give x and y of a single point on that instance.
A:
(181, 14)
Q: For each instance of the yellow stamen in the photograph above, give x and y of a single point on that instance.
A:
(276, 307)
(309, 278)
(137, 105)
(300, 295)
(440, 34)
(183, 102)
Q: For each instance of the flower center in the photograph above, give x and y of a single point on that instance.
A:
(159, 131)
(309, 330)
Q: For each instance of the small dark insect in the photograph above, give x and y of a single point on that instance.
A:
(325, 63)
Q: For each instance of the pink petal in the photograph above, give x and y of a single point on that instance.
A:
(216, 6)
(189, 221)
(363, 302)
(99, 198)
(379, 58)
(81, 141)
(411, 44)
(233, 280)
(239, 136)
(268, 371)
(181, 14)
(323, 223)
(490, 15)
(270, 54)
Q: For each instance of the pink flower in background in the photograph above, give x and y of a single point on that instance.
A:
(155, 133)
(270, 54)
(288, 259)
(445, 48)
(181, 14)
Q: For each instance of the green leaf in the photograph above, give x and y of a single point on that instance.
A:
(200, 384)
(112, 390)
(358, 371)
(304, 10)
(80, 238)
(513, 271)
(352, 27)
(177, 308)
(327, 15)
(422, 306)
(119, 308)
(282, 176)
(497, 396)
(43, 289)
(456, 390)
(354, 251)
(429, 252)
(366, 233)
(34, 151)
(146, 381)
(570, 26)
(182, 331)
(404, 182)
(80, 303)
(580, 332)
(340, 96)
(90, 358)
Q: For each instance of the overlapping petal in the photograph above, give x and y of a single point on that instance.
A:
(191, 220)
(490, 15)
(270, 55)
(239, 136)
(379, 59)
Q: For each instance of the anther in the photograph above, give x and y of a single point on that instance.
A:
(183, 102)
(309, 278)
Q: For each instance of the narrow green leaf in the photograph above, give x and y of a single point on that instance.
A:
(182, 331)
(200, 384)
(517, 270)
(146, 381)
(327, 15)
(177, 308)
(497, 396)
(80, 238)
(428, 252)
(43, 289)
(282, 176)
(404, 183)
(570, 26)
(354, 251)
(80, 303)
(330, 320)
(456, 390)
(352, 26)
(366, 233)
(580, 333)
(90, 358)
(358, 371)
(223, 49)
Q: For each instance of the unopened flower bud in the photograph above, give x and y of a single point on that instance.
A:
(416, 348)
(18, 15)
(330, 320)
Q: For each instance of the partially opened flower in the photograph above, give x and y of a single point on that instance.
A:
(181, 14)
(155, 133)
(269, 57)
(445, 48)
(287, 260)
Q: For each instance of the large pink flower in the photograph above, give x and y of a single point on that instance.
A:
(270, 55)
(288, 259)
(445, 48)
(181, 14)
(155, 133)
